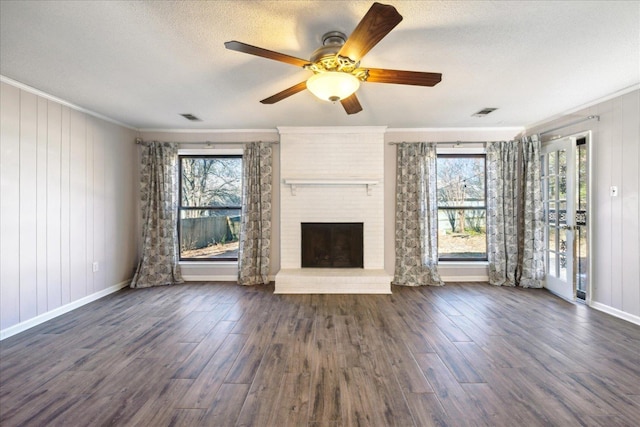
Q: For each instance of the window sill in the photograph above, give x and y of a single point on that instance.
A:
(209, 271)
(208, 263)
(463, 263)
(464, 271)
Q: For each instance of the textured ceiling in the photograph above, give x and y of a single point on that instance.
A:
(143, 63)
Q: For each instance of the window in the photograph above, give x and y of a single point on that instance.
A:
(461, 207)
(210, 207)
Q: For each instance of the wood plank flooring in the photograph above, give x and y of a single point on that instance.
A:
(205, 354)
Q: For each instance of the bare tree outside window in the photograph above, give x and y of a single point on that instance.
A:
(210, 207)
(461, 207)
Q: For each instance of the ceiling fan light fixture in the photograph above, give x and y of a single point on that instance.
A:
(333, 86)
(336, 64)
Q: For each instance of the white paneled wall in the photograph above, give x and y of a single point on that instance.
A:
(615, 161)
(68, 199)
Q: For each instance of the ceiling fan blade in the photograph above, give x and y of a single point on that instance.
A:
(417, 78)
(351, 104)
(269, 54)
(285, 93)
(374, 26)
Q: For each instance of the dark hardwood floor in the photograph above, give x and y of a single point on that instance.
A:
(225, 355)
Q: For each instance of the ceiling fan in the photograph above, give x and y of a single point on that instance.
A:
(336, 64)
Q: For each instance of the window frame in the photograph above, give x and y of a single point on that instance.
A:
(182, 208)
(467, 154)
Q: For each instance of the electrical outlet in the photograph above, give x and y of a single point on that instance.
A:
(96, 266)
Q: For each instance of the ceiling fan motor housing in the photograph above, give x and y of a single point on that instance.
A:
(327, 59)
(331, 44)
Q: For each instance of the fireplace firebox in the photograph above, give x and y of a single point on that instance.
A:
(332, 245)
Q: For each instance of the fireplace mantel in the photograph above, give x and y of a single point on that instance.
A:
(295, 182)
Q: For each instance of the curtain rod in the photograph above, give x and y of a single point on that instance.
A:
(140, 141)
(584, 119)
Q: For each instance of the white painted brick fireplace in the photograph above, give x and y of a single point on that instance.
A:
(332, 174)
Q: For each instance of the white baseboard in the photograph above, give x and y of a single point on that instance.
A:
(615, 312)
(35, 321)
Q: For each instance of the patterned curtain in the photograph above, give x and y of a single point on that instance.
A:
(255, 229)
(158, 263)
(514, 214)
(531, 245)
(502, 214)
(416, 216)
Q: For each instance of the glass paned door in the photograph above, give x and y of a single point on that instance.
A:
(559, 174)
(582, 247)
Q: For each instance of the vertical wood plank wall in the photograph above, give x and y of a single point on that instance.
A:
(615, 157)
(68, 197)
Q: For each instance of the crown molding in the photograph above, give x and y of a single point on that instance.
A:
(458, 129)
(60, 101)
(274, 131)
(605, 98)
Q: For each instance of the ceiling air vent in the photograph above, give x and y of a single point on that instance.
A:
(191, 117)
(484, 112)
